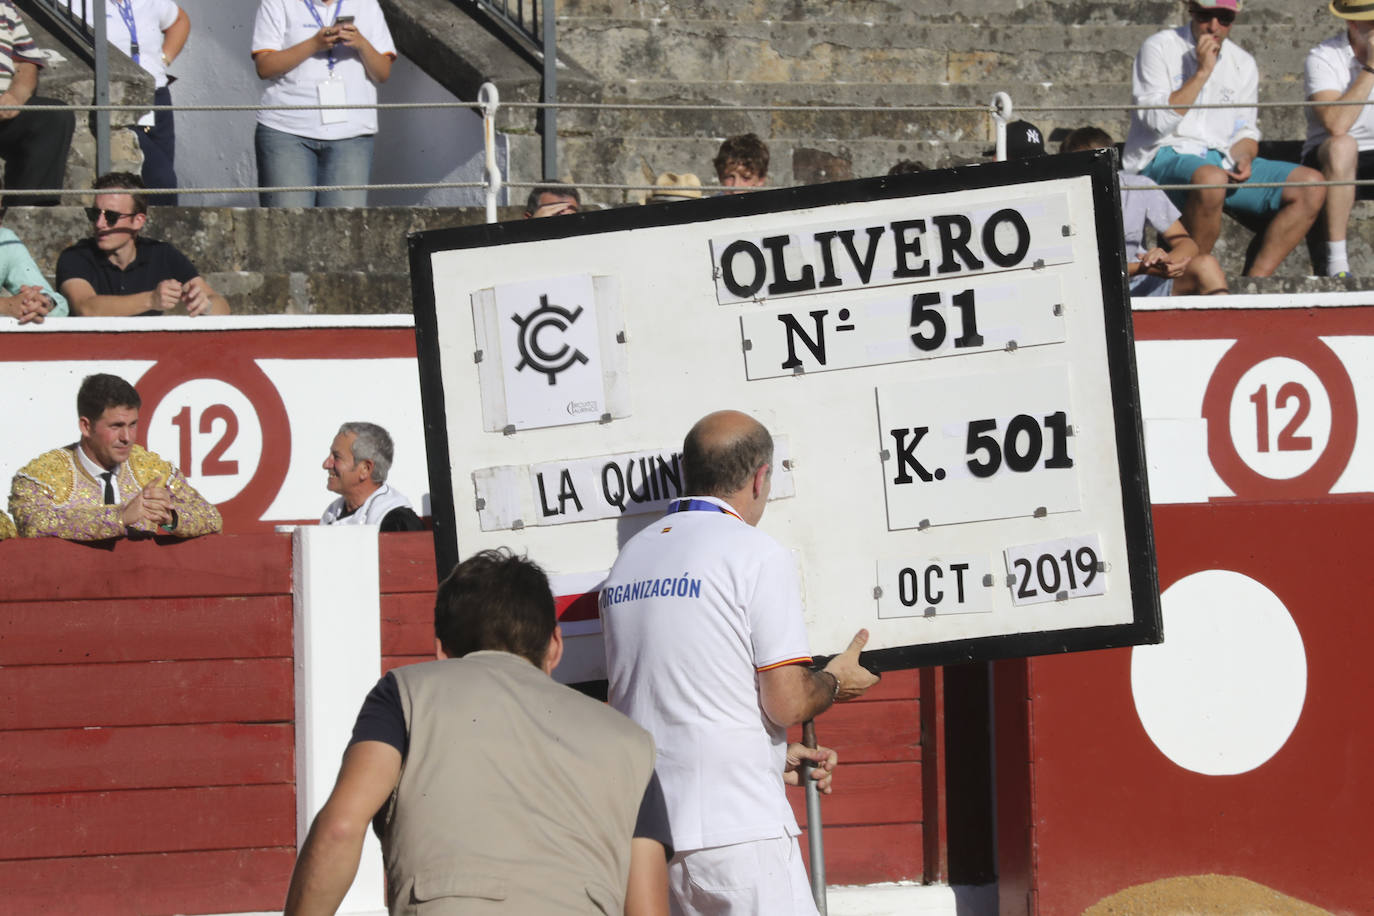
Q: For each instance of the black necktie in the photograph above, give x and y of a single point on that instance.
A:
(109, 488)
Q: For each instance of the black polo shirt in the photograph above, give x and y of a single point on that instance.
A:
(153, 262)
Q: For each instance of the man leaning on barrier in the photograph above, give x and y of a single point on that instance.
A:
(1198, 64)
(107, 485)
(117, 272)
(359, 460)
(1340, 138)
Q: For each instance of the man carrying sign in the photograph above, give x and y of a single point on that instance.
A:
(106, 485)
(706, 648)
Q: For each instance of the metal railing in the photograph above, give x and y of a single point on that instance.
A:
(536, 22)
(488, 105)
(83, 23)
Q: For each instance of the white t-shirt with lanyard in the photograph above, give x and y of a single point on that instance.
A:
(696, 605)
(336, 78)
(135, 27)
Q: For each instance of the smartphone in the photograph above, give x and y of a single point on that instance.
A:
(343, 20)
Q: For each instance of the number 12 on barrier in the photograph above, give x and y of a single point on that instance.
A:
(1056, 570)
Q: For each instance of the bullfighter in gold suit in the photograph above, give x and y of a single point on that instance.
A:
(106, 486)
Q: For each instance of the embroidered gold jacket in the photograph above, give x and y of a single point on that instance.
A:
(54, 496)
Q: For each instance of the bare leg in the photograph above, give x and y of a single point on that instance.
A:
(1338, 157)
(1203, 276)
(1301, 204)
(1202, 211)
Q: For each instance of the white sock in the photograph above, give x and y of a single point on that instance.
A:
(1336, 259)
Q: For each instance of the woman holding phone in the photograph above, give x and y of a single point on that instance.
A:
(322, 53)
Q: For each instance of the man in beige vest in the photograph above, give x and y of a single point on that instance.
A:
(492, 787)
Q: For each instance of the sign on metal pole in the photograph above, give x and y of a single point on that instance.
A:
(945, 361)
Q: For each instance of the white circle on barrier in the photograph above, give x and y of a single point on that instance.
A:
(211, 431)
(1225, 689)
(1280, 418)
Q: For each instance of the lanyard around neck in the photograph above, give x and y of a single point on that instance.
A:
(126, 12)
(315, 14)
(698, 505)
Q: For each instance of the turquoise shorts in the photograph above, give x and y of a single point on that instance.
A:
(1171, 167)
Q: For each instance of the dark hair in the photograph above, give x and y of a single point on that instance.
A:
(745, 149)
(908, 166)
(712, 467)
(100, 392)
(562, 190)
(1085, 138)
(127, 182)
(495, 600)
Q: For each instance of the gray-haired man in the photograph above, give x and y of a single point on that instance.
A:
(359, 459)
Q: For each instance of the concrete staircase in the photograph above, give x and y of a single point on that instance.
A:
(1045, 53)
(1051, 56)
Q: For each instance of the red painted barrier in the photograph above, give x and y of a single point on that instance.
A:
(1106, 810)
(146, 739)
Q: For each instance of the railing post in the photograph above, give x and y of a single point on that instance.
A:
(102, 88)
(1001, 114)
(490, 100)
(550, 93)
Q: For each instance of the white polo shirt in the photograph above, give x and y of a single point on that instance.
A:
(285, 23)
(695, 606)
(1165, 62)
(1331, 66)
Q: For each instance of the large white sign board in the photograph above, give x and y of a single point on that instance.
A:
(945, 360)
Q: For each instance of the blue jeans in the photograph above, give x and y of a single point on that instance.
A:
(286, 160)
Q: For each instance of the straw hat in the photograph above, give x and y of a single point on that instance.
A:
(673, 186)
(1353, 9)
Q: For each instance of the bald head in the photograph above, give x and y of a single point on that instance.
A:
(723, 454)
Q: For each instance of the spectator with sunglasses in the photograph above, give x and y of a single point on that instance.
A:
(1198, 64)
(117, 272)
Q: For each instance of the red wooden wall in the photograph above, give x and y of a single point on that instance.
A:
(1090, 806)
(146, 740)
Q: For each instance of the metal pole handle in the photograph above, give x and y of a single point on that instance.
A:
(815, 843)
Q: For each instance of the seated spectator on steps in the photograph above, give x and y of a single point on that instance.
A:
(106, 485)
(908, 167)
(34, 144)
(1340, 139)
(359, 460)
(674, 186)
(552, 200)
(1198, 64)
(24, 292)
(118, 272)
(1178, 270)
(1024, 141)
(742, 163)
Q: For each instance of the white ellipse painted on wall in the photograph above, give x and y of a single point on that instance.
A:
(1224, 691)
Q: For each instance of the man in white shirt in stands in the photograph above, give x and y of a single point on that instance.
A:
(359, 460)
(1340, 138)
(1197, 64)
(706, 648)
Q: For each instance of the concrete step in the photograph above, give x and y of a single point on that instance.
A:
(968, 116)
(888, 12)
(780, 52)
